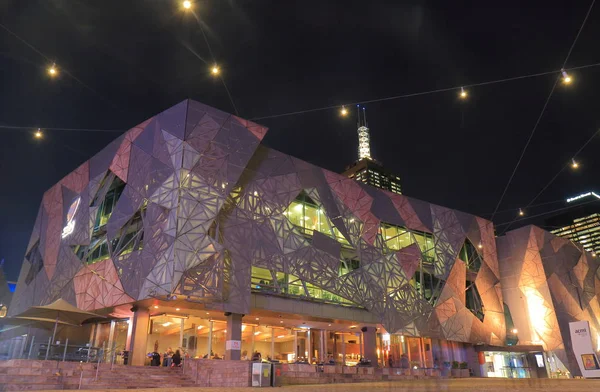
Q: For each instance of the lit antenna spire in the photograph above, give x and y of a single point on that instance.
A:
(364, 139)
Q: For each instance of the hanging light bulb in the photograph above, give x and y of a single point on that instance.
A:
(593, 254)
(215, 70)
(344, 111)
(574, 163)
(521, 213)
(52, 70)
(187, 4)
(480, 245)
(463, 93)
(38, 134)
(566, 78)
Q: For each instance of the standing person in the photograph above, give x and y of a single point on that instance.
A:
(404, 364)
(176, 359)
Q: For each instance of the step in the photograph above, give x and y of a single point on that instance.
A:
(23, 378)
(30, 387)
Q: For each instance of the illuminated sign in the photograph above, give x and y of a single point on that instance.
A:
(68, 229)
(582, 196)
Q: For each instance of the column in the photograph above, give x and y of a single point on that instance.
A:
(360, 345)
(111, 341)
(253, 342)
(343, 349)
(370, 344)
(295, 346)
(324, 346)
(181, 327)
(233, 344)
(210, 336)
(139, 337)
(272, 343)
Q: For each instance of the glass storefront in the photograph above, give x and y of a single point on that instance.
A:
(507, 365)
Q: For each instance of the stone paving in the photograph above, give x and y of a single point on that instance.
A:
(444, 385)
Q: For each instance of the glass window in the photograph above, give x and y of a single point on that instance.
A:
(308, 216)
(470, 256)
(473, 300)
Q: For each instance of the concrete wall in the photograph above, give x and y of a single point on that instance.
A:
(210, 373)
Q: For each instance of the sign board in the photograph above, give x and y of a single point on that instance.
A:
(70, 226)
(233, 345)
(583, 349)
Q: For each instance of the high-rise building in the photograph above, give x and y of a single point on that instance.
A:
(581, 222)
(367, 170)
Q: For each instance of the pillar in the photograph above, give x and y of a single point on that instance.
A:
(343, 350)
(253, 342)
(181, 327)
(272, 356)
(139, 337)
(295, 346)
(210, 338)
(370, 344)
(233, 344)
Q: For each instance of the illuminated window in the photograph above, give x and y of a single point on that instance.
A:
(428, 285)
(470, 256)
(279, 283)
(308, 216)
(397, 237)
(3, 311)
(109, 202)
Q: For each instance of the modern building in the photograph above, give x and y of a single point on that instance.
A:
(188, 232)
(581, 222)
(366, 169)
(6, 290)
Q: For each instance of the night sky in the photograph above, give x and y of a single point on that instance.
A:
(132, 59)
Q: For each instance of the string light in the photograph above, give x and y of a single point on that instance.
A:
(521, 213)
(52, 70)
(187, 4)
(566, 78)
(344, 111)
(574, 163)
(463, 93)
(215, 70)
(38, 134)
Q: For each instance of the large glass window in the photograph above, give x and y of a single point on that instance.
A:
(397, 237)
(263, 280)
(308, 216)
(428, 285)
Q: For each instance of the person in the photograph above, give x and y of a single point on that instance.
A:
(391, 362)
(256, 356)
(244, 355)
(176, 359)
(404, 364)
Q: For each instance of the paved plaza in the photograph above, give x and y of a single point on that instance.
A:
(452, 385)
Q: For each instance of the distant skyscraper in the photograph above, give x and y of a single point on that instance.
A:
(367, 170)
(581, 222)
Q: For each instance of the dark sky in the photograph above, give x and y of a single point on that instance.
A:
(282, 56)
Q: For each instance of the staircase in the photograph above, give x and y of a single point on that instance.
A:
(52, 375)
(129, 377)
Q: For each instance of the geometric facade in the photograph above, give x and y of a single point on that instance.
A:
(190, 203)
(555, 282)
